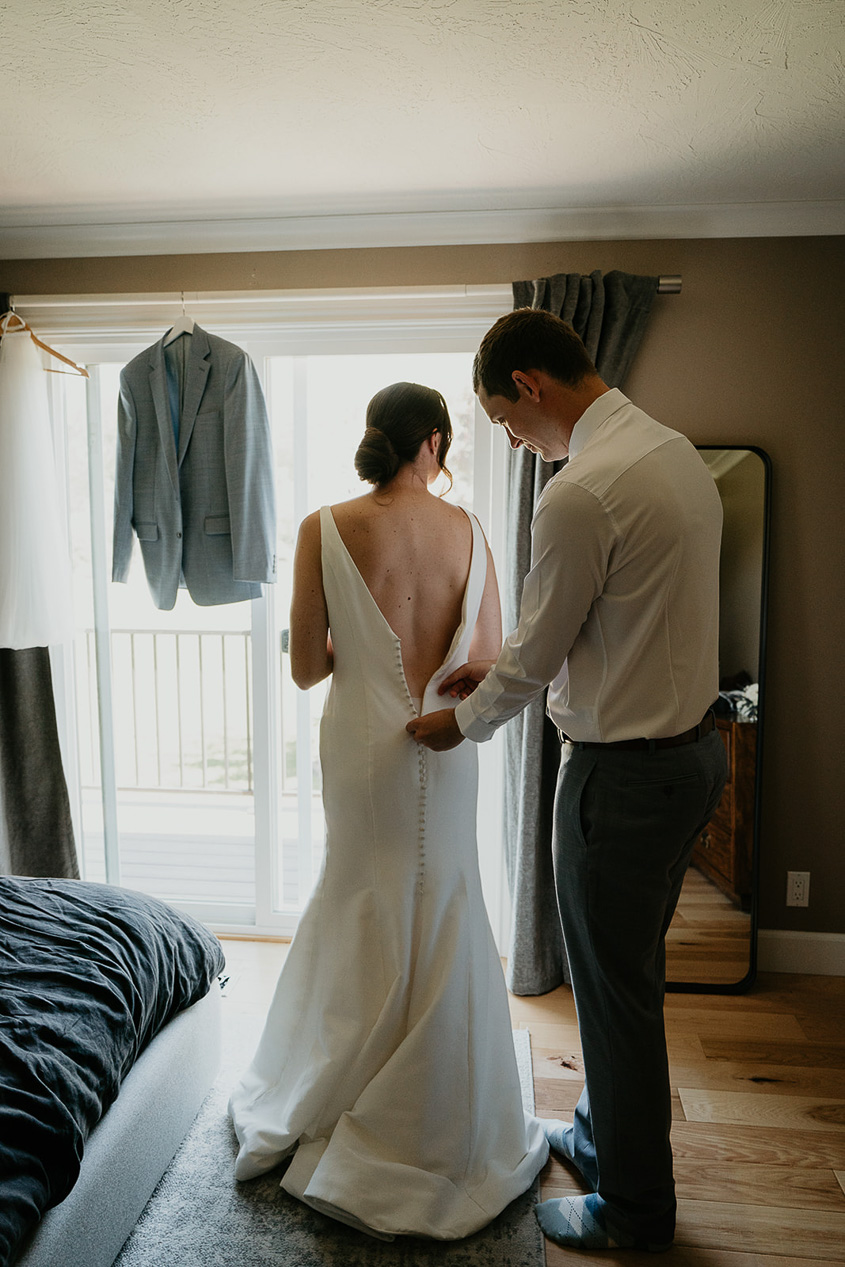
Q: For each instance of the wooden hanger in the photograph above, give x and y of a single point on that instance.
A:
(5, 323)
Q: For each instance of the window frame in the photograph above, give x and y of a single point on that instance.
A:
(97, 329)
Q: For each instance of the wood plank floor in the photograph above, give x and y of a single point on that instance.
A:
(709, 937)
(758, 1120)
(758, 1111)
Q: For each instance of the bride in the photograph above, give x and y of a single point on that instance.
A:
(386, 1071)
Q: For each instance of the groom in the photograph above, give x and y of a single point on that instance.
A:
(619, 620)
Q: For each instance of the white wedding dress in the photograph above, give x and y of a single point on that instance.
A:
(386, 1066)
(35, 578)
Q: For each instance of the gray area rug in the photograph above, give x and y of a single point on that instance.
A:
(199, 1216)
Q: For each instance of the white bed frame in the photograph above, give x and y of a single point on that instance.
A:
(130, 1149)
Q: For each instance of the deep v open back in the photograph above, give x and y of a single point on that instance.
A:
(386, 1065)
(361, 619)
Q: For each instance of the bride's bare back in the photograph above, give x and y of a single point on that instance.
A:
(413, 551)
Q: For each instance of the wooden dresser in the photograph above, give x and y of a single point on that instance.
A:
(723, 852)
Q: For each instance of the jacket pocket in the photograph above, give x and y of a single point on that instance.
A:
(217, 525)
(146, 532)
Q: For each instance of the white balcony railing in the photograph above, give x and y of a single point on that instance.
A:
(182, 710)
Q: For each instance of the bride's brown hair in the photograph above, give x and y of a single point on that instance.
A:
(400, 418)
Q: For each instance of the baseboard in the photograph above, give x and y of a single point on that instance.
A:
(821, 954)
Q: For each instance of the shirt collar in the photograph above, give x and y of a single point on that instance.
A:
(593, 417)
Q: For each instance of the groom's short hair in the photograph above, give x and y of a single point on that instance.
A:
(529, 339)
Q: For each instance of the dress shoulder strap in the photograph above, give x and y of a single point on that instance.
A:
(331, 542)
(477, 576)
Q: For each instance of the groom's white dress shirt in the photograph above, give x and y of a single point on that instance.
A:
(619, 616)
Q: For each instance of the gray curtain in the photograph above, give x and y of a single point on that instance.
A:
(36, 833)
(610, 314)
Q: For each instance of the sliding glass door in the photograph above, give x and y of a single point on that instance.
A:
(163, 705)
(194, 756)
(317, 405)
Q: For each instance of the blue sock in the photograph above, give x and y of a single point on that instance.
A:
(559, 1134)
(580, 1223)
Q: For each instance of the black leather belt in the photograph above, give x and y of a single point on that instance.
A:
(704, 727)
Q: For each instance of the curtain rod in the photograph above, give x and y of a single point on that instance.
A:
(667, 284)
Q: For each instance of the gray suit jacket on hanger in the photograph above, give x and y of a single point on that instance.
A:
(204, 512)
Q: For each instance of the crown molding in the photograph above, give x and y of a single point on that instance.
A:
(390, 318)
(127, 233)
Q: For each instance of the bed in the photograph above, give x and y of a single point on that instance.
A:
(109, 1040)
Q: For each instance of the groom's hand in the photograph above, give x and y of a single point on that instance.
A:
(465, 679)
(438, 731)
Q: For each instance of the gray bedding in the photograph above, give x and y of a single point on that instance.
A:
(89, 974)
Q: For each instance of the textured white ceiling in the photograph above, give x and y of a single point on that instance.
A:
(120, 112)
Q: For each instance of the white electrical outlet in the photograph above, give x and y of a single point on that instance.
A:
(797, 888)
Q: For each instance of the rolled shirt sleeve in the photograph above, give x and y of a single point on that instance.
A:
(572, 542)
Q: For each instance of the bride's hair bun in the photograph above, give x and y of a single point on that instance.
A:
(376, 460)
(400, 418)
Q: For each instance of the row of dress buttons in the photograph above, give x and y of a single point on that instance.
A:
(423, 769)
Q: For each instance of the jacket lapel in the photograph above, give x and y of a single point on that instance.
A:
(158, 387)
(199, 363)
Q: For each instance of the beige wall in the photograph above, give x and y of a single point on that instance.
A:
(749, 353)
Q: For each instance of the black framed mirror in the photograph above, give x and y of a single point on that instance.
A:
(711, 946)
